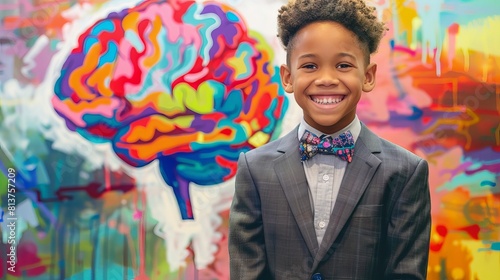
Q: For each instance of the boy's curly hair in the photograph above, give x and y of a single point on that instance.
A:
(354, 15)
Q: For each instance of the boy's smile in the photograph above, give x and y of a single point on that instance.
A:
(327, 72)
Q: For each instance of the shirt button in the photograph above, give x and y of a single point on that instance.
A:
(326, 177)
(322, 224)
(317, 276)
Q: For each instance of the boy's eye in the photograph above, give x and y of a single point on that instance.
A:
(309, 66)
(343, 66)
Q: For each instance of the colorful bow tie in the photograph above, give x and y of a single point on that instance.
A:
(341, 146)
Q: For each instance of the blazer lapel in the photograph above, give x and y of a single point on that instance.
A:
(357, 176)
(292, 177)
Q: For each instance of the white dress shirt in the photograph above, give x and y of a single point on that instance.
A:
(324, 175)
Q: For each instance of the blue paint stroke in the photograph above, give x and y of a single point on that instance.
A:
(488, 183)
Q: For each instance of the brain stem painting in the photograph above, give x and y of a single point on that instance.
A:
(178, 82)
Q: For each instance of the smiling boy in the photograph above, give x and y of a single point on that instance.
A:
(329, 200)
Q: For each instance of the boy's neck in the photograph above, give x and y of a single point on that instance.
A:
(354, 126)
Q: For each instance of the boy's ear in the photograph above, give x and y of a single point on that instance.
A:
(369, 83)
(286, 80)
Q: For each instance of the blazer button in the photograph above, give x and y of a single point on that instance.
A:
(317, 276)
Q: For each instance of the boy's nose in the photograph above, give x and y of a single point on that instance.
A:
(327, 79)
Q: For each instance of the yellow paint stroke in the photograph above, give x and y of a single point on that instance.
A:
(405, 14)
(84, 105)
(98, 79)
(262, 46)
(161, 124)
(258, 139)
(477, 36)
(463, 125)
(246, 127)
(76, 77)
(170, 106)
(130, 22)
(484, 264)
(200, 101)
(200, 137)
(238, 64)
(255, 125)
(153, 39)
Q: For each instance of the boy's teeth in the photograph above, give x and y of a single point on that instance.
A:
(328, 100)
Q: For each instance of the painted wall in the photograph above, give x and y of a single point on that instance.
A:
(121, 123)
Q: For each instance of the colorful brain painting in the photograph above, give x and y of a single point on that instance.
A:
(180, 82)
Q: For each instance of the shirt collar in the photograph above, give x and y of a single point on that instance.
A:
(354, 127)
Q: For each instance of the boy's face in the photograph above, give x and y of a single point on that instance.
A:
(327, 72)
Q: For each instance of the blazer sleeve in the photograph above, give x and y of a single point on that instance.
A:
(409, 228)
(247, 254)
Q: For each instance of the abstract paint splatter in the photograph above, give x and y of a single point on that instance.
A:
(182, 83)
(107, 107)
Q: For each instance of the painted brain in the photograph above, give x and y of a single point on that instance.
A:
(185, 84)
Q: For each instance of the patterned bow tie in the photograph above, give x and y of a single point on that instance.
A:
(341, 146)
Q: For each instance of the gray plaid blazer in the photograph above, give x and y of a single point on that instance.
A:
(379, 227)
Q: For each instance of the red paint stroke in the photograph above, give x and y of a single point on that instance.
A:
(404, 49)
(442, 230)
(453, 29)
(28, 264)
(93, 189)
(437, 245)
(231, 165)
(472, 231)
(426, 120)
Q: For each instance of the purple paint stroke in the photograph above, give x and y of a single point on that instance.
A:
(226, 28)
(130, 118)
(40, 206)
(74, 61)
(120, 15)
(483, 155)
(454, 172)
(222, 70)
(493, 168)
(266, 65)
(254, 86)
(204, 126)
(247, 105)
